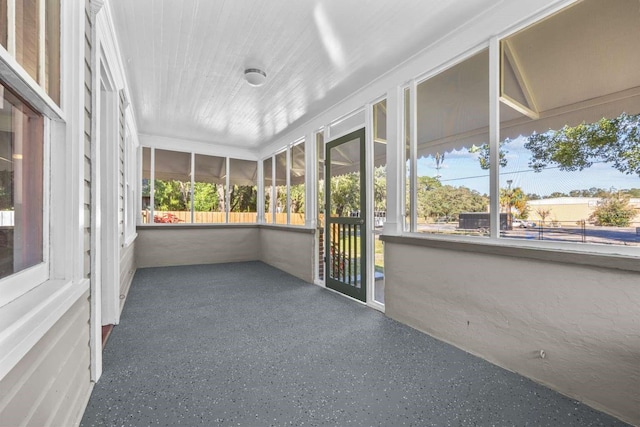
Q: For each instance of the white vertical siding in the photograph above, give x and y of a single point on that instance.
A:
(127, 270)
(49, 386)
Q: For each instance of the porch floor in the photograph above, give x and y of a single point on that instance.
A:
(245, 344)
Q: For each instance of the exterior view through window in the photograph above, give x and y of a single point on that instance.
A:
(570, 126)
(217, 194)
(21, 185)
(452, 189)
(569, 136)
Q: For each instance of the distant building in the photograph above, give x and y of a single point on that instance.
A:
(568, 210)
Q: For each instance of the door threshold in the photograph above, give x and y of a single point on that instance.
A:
(346, 296)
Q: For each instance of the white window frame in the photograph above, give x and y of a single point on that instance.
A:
(494, 238)
(44, 293)
(287, 149)
(21, 282)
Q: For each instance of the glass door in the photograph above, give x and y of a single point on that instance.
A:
(345, 215)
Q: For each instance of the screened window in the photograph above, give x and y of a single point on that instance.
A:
(21, 185)
(268, 190)
(451, 188)
(570, 126)
(281, 188)
(209, 195)
(296, 187)
(243, 190)
(285, 192)
(172, 187)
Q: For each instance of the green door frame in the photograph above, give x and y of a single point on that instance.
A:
(346, 264)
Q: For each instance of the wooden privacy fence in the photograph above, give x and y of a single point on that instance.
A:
(218, 217)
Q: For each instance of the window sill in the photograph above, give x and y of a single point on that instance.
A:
(281, 227)
(160, 226)
(285, 227)
(620, 258)
(25, 320)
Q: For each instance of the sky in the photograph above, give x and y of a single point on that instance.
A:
(462, 168)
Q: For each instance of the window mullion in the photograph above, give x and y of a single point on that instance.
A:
(288, 177)
(193, 180)
(494, 137)
(413, 135)
(152, 186)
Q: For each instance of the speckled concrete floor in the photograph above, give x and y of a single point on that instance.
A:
(248, 345)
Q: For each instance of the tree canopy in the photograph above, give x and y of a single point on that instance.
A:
(612, 141)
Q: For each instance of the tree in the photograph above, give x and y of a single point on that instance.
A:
(345, 193)
(484, 153)
(612, 141)
(557, 194)
(543, 214)
(205, 197)
(243, 198)
(516, 199)
(448, 201)
(380, 188)
(296, 197)
(633, 192)
(613, 210)
(170, 195)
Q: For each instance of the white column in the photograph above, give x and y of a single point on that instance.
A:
(395, 163)
(260, 201)
(310, 181)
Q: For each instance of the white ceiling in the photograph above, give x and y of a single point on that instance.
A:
(184, 59)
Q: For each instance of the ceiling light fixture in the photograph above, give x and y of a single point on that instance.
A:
(255, 76)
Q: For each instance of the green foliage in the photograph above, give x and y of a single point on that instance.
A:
(557, 194)
(170, 195)
(243, 198)
(6, 190)
(514, 199)
(380, 188)
(345, 193)
(205, 197)
(614, 210)
(296, 198)
(146, 187)
(435, 200)
(612, 141)
(483, 154)
(632, 192)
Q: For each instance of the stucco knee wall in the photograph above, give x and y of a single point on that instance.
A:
(507, 310)
(290, 249)
(169, 246)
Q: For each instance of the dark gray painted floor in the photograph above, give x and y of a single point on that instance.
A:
(248, 345)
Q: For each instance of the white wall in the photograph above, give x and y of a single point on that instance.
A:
(506, 309)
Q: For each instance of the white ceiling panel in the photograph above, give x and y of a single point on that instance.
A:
(185, 59)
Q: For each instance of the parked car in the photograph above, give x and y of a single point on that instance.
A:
(520, 223)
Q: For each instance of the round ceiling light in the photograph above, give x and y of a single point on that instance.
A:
(255, 76)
